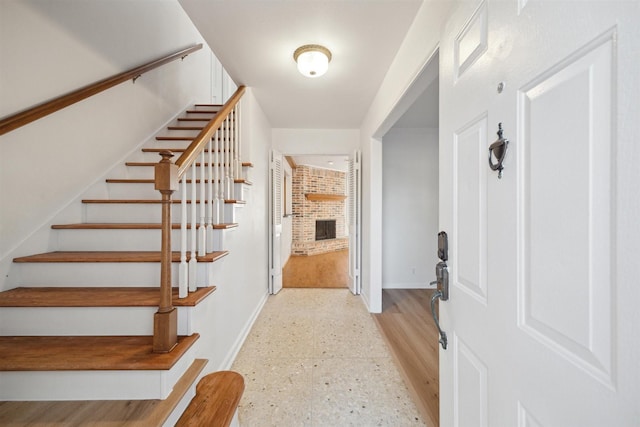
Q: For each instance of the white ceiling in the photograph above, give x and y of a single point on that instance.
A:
(255, 40)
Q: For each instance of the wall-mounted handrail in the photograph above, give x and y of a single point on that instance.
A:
(29, 115)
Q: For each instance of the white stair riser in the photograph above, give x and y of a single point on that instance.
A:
(147, 172)
(154, 157)
(138, 212)
(103, 274)
(180, 132)
(247, 173)
(241, 191)
(53, 321)
(92, 385)
(125, 240)
(230, 213)
(146, 191)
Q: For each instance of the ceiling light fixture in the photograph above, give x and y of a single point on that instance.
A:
(312, 59)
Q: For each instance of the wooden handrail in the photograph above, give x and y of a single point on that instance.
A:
(199, 143)
(29, 115)
(167, 176)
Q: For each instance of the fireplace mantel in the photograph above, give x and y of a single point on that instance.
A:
(318, 197)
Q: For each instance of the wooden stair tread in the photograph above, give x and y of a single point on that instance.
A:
(247, 164)
(113, 256)
(150, 201)
(97, 297)
(151, 181)
(88, 353)
(174, 138)
(100, 413)
(130, 226)
(193, 119)
(202, 111)
(185, 127)
(198, 164)
(209, 105)
(175, 150)
(217, 397)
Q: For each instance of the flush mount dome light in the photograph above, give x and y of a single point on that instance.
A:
(312, 59)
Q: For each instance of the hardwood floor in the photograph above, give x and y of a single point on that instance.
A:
(407, 326)
(328, 270)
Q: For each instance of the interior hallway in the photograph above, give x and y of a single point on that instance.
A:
(316, 358)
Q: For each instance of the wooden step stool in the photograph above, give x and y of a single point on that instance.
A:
(214, 405)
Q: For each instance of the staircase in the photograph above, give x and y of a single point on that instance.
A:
(81, 324)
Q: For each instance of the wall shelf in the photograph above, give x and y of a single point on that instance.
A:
(317, 197)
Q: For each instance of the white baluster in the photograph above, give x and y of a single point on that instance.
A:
(236, 140)
(223, 136)
(232, 135)
(202, 231)
(216, 178)
(183, 276)
(210, 198)
(193, 262)
(238, 116)
(227, 162)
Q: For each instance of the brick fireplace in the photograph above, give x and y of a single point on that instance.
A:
(318, 198)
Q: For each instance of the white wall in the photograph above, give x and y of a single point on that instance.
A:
(419, 45)
(409, 207)
(50, 48)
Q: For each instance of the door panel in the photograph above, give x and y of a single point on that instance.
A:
(470, 210)
(576, 234)
(470, 382)
(542, 315)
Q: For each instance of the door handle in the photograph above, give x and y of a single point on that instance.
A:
(442, 292)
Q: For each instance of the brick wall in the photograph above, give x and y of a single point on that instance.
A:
(305, 212)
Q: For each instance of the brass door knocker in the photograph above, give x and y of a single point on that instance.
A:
(499, 150)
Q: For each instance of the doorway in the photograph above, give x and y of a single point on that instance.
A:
(410, 205)
(315, 252)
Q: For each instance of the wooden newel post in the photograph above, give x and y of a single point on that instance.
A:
(165, 321)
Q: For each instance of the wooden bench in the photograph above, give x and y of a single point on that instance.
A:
(214, 405)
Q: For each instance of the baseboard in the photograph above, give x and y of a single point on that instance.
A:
(407, 285)
(237, 345)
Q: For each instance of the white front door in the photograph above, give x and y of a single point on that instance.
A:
(354, 190)
(275, 223)
(542, 313)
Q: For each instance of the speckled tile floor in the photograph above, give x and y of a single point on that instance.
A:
(315, 358)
